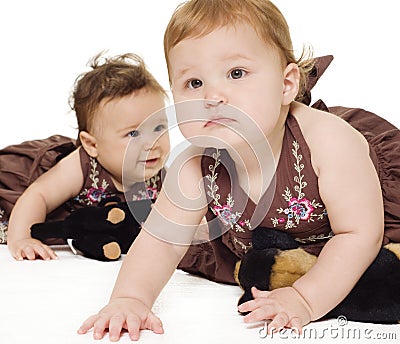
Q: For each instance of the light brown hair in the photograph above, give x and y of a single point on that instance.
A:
(197, 18)
(109, 78)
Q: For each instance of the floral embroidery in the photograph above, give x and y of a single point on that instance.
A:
(95, 193)
(314, 238)
(150, 191)
(3, 228)
(299, 208)
(225, 211)
(244, 247)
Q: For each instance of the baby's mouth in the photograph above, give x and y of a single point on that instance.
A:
(150, 162)
(225, 121)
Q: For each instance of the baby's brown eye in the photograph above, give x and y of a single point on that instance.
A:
(195, 83)
(237, 74)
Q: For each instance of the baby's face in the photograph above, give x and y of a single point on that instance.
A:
(229, 66)
(138, 123)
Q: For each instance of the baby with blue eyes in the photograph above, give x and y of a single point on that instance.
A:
(122, 131)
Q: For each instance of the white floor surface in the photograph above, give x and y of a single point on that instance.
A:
(45, 302)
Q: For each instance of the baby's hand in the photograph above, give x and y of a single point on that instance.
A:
(31, 249)
(284, 306)
(122, 313)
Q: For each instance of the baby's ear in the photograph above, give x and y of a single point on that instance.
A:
(290, 83)
(88, 143)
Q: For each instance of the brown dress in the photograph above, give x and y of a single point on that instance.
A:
(296, 205)
(98, 185)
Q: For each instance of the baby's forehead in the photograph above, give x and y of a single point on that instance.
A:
(153, 120)
(202, 31)
(157, 117)
(231, 29)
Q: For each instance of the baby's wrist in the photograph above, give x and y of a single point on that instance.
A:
(305, 303)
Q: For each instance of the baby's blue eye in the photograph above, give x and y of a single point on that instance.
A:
(237, 74)
(133, 133)
(195, 83)
(159, 127)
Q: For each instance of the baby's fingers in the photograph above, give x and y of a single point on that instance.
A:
(18, 255)
(295, 323)
(88, 324)
(28, 252)
(115, 326)
(260, 314)
(259, 293)
(248, 306)
(51, 254)
(101, 324)
(133, 326)
(154, 323)
(44, 252)
(33, 251)
(279, 322)
(252, 305)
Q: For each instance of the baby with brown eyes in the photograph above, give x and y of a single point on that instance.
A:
(117, 105)
(238, 91)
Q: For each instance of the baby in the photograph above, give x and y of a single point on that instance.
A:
(117, 105)
(233, 61)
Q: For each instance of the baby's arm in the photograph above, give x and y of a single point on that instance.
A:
(147, 267)
(350, 190)
(151, 261)
(49, 191)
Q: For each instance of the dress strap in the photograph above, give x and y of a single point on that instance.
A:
(294, 129)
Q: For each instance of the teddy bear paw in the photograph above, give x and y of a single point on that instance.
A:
(116, 215)
(112, 250)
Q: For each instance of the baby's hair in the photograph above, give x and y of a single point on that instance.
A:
(109, 78)
(197, 18)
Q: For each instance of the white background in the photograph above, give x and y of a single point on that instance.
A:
(45, 45)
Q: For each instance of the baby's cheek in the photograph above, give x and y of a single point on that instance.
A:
(190, 129)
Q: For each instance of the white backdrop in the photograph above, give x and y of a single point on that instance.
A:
(45, 44)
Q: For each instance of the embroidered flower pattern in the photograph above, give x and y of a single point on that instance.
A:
(150, 191)
(303, 208)
(298, 208)
(95, 193)
(224, 212)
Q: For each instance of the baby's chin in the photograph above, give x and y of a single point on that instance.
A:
(152, 171)
(224, 140)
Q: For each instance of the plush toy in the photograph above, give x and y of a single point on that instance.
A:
(276, 260)
(103, 232)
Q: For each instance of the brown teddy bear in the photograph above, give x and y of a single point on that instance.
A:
(276, 260)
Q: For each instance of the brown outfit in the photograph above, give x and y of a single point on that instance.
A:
(18, 172)
(296, 208)
(98, 185)
(296, 205)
